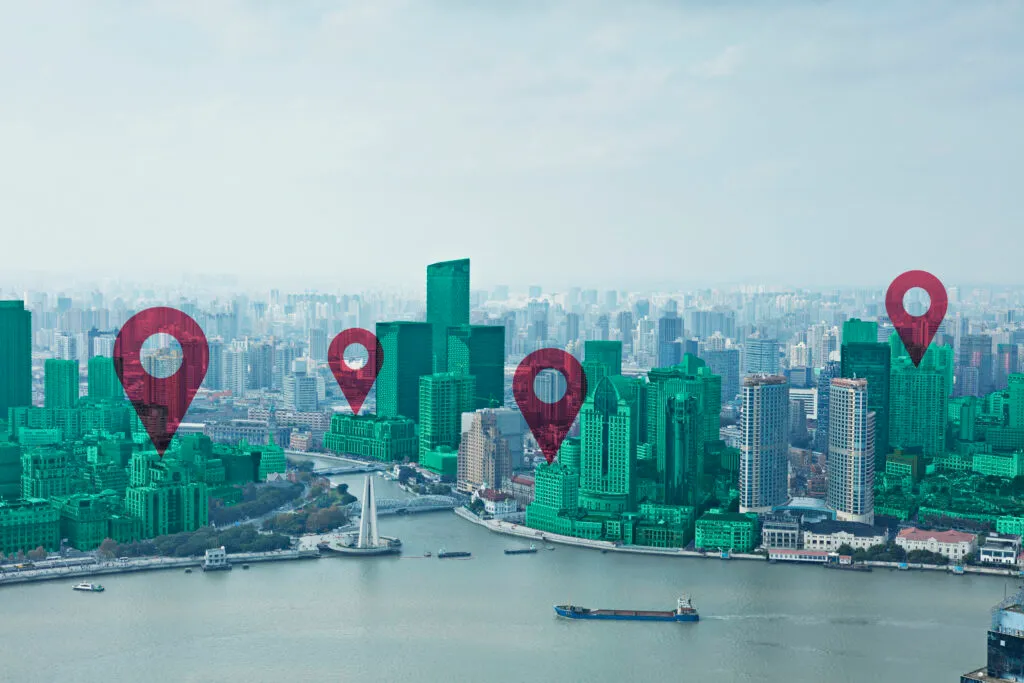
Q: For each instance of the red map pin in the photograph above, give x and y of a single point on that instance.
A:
(161, 402)
(916, 331)
(549, 422)
(355, 384)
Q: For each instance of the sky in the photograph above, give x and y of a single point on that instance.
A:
(605, 144)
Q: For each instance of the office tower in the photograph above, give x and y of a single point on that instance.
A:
(572, 327)
(407, 357)
(703, 324)
(44, 472)
(300, 388)
(641, 309)
(764, 444)
(234, 369)
(624, 323)
(1007, 361)
(65, 347)
(601, 359)
(318, 345)
(601, 328)
(611, 300)
(726, 364)
(800, 377)
(761, 356)
(447, 305)
(684, 449)
(828, 372)
(260, 357)
(645, 343)
(61, 383)
(537, 324)
(485, 452)
(284, 356)
(799, 355)
(479, 350)
(215, 369)
(851, 452)
(917, 407)
(691, 347)
(15, 356)
(103, 345)
(10, 471)
(872, 361)
(974, 366)
(670, 332)
(443, 398)
(103, 381)
(610, 424)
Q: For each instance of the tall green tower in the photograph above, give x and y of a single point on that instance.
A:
(1016, 389)
(685, 448)
(693, 376)
(15, 356)
(447, 304)
(407, 357)
(479, 350)
(610, 421)
(862, 356)
(443, 397)
(918, 399)
(61, 377)
(601, 359)
(103, 381)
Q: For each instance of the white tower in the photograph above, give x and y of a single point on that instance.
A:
(368, 536)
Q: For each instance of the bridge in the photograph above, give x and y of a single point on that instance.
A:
(409, 506)
(348, 469)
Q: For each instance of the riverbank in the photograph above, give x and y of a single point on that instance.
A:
(509, 529)
(142, 564)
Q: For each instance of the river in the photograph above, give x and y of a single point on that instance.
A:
(489, 618)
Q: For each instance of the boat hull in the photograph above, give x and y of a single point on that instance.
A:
(625, 615)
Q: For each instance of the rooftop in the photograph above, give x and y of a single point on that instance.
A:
(915, 534)
(857, 529)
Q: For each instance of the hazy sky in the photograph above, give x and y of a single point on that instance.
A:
(614, 144)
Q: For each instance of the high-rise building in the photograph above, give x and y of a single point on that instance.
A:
(61, 383)
(1015, 385)
(624, 323)
(764, 445)
(760, 356)
(103, 381)
(443, 398)
(851, 452)
(407, 357)
(447, 305)
(828, 372)
(65, 346)
(234, 369)
(685, 449)
(870, 360)
(260, 357)
(318, 344)
(974, 366)
(300, 388)
(485, 452)
(918, 399)
(44, 472)
(610, 421)
(601, 359)
(670, 332)
(572, 327)
(15, 356)
(1007, 362)
(726, 364)
(479, 350)
(215, 369)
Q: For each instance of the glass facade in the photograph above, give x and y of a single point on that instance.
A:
(447, 305)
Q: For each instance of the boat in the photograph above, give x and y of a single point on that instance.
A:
(188, 571)
(521, 551)
(426, 553)
(903, 566)
(549, 547)
(442, 553)
(89, 587)
(958, 570)
(684, 611)
(245, 566)
(724, 555)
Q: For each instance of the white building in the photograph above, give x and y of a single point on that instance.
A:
(496, 503)
(851, 451)
(1000, 549)
(830, 536)
(764, 447)
(953, 544)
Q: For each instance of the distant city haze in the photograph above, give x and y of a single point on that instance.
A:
(631, 145)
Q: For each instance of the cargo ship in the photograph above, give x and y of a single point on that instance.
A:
(684, 611)
(442, 553)
(521, 551)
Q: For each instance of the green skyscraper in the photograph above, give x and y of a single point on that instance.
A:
(479, 350)
(447, 304)
(917, 400)
(1016, 390)
(684, 450)
(443, 398)
(15, 356)
(103, 381)
(407, 357)
(61, 378)
(694, 377)
(863, 357)
(610, 421)
(601, 359)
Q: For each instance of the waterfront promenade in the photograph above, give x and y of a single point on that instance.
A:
(509, 529)
(142, 564)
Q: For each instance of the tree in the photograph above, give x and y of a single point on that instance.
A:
(845, 549)
(38, 554)
(108, 547)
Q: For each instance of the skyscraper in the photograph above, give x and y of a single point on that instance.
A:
(684, 450)
(300, 388)
(103, 381)
(726, 364)
(485, 454)
(863, 357)
(761, 356)
(260, 356)
(601, 359)
(693, 378)
(918, 399)
(234, 369)
(851, 452)
(1015, 383)
(624, 323)
(1007, 361)
(443, 398)
(610, 421)
(670, 332)
(15, 356)
(828, 372)
(407, 357)
(318, 344)
(215, 370)
(447, 304)
(974, 366)
(61, 380)
(764, 446)
(479, 350)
